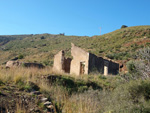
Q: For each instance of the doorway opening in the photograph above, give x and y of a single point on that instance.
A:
(82, 68)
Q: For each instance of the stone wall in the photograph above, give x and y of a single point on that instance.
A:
(103, 66)
(96, 64)
(79, 64)
(59, 62)
(113, 68)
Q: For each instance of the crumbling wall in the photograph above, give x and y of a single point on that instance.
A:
(59, 62)
(96, 64)
(79, 64)
(84, 63)
(113, 68)
(103, 66)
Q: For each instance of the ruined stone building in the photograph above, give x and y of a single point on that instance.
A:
(83, 63)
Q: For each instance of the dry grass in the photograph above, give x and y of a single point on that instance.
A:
(25, 74)
(58, 94)
(78, 102)
(87, 102)
(20, 109)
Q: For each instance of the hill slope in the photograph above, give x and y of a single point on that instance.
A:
(118, 45)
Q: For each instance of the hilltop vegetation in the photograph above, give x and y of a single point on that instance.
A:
(118, 45)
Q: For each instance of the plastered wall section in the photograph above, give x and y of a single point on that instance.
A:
(58, 62)
(79, 56)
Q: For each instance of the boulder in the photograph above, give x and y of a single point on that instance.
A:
(10, 64)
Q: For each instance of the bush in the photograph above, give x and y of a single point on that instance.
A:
(146, 89)
(118, 56)
(131, 97)
(20, 56)
(131, 66)
(141, 89)
(1, 82)
(123, 26)
(30, 86)
(111, 56)
(42, 37)
(47, 63)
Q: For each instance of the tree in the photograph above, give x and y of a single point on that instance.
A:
(123, 26)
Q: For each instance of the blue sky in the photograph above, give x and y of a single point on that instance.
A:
(72, 17)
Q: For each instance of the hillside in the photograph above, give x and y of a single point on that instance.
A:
(6, 38)
(30, 90)
(118, 45)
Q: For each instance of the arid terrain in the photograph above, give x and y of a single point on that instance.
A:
(30, 89)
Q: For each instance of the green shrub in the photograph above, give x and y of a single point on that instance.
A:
(47, 63)
(20, 56)
(131, 97)
(101, 51)
(118, 56)
(42, 37)
(82, 88)
(140, 89)
(131, 66)
(146, 89)
(27, 87)
(102, 77)
(1, 82)
(111, 56)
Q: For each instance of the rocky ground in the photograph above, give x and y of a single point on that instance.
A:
(16, 100)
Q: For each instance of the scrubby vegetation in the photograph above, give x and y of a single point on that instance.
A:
(129, 93)
(121, 44)
(125, 93)
(85, 94)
